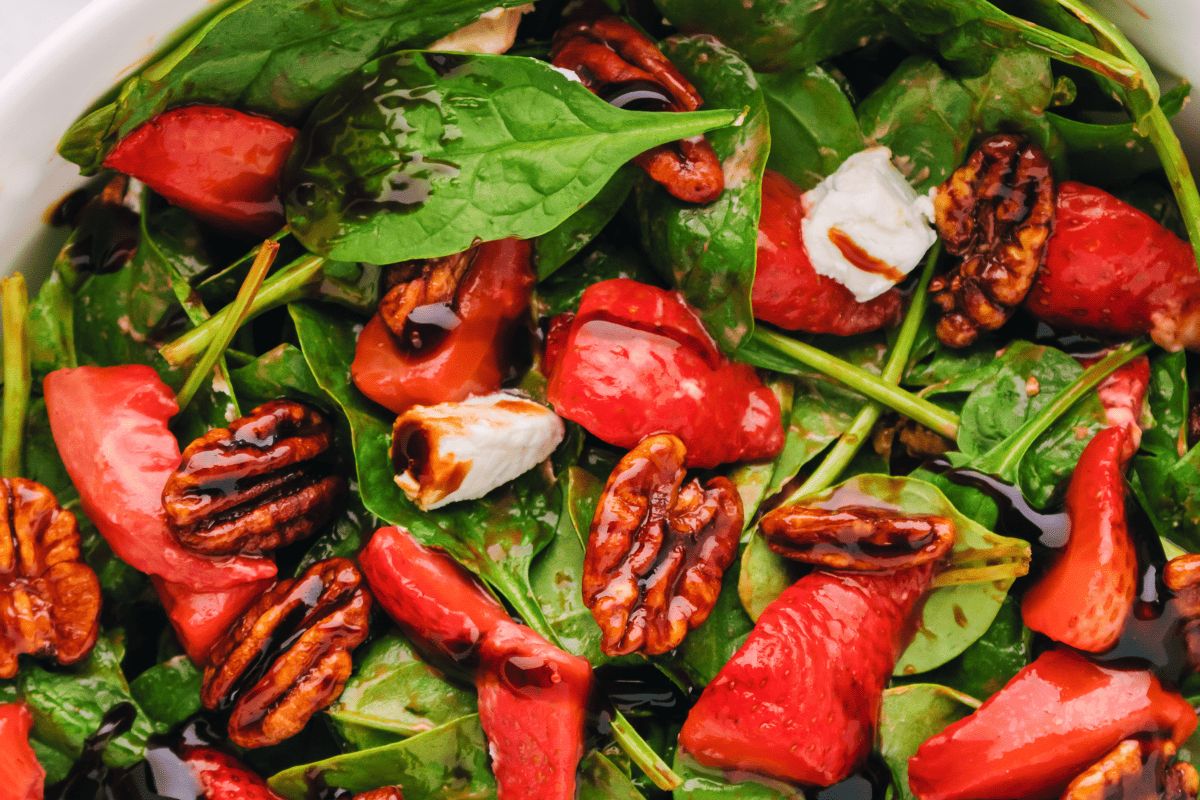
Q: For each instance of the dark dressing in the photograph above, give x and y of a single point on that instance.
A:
(870, 783)
(161, 776)
(106, 232)
(428, 326)
(637, 96)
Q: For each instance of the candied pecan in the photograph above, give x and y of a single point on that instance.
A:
(658, 549)
(256, 485)
(995, 213)
(1147, 768)
(288, 657)
(858, 538)
(620, 64)
(1182, 577)
(419, 301)
(49, 598)
(383, 793)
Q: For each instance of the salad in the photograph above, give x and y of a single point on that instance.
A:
(701, 399)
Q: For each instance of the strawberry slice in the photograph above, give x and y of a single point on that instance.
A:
(1085, 597)
(800, 700)
(1053, 720)
(1122, 395)
(21, 775)
(223, 777)
(222, 165)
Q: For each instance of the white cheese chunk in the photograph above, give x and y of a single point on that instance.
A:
(462, 451)
(865, 227)
(493, 33)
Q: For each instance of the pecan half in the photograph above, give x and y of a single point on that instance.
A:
(1137, 769)
(49, 599)
(658, 548)
(1182, 577)
(858, 538)
(288, 657)
(418, 306)
(622, 65)
(256, 485)
(995, 213)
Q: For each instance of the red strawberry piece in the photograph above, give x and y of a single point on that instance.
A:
(800, 700)
(1053, 720)
(1085, 597)
(223, 777)
(21, 775)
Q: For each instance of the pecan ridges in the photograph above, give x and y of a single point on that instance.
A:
(657, 549)
(995, 213)
(424, 285)
(860, 538)
(288, 657)
(255, 486)
(49, 599)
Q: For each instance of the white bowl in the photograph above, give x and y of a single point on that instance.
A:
(108, 39)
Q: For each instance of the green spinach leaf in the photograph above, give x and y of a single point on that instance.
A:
(555, 248)
(710, 250)
(989, 663)
(274, 57)
(813, 122)
(169, 692)
(420, 155)
(912, 714)
(605, 260)
(704, 783)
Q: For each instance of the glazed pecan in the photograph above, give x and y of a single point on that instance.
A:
(622, 65)
(288, 657)
(858, 538)
(419, 300)
(995, 213)
(1137, 769)
(256, 485)
(49, 599)
(384, 793)
(1182, 578)
(658, 549)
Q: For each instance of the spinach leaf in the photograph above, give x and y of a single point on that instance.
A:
(275, 57)
(556, 247)
(710, 646)
(813, 121)
(279, 372)
(447, 763)
(169, 692)
(710, 250)
(989, 663)
(705, 783)
(51, 329)
(496, 537)
(420, 155)
(775, 35)
(68, 704)
(912, 714)
(393, 695)
(605, 260)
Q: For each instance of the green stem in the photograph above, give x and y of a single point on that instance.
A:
(288, 284)
(1179, 173)
(959, 576)
(643, 755)
(14, 303)
(874, 387)
(851, 441)
(1004, 458)
(1119, 43)
(238, 310)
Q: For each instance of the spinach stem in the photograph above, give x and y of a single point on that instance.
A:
(14, 303)
(1004, 458)
(238, 310)
(804, 355)
(289, 284)
(642, 754)
(851, 441)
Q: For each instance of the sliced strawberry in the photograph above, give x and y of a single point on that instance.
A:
(800, 700)
(532, 703)
(1122, 395)
(21, 775)
(788, 292)
(220, 164)
(1112, 269)
(201, 618)
(1054, 719)
(1085, 597)
(223, 777)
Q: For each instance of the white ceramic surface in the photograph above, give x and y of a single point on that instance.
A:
(70, 68)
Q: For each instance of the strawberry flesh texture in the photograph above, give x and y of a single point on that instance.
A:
(788, 292)
(1055, 718)
(222, 777)
(1110, 268)
(21, 775)
(800, 700)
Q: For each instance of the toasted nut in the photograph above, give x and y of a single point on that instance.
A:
(1136, 769)
(418, 307)
(619, 63)
(256, 485)
(49, 599)
(462, 451)
(857, 537)
(384, 793)
(995, 212)
(288, 657)
(658, 549)
(1182, 577)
